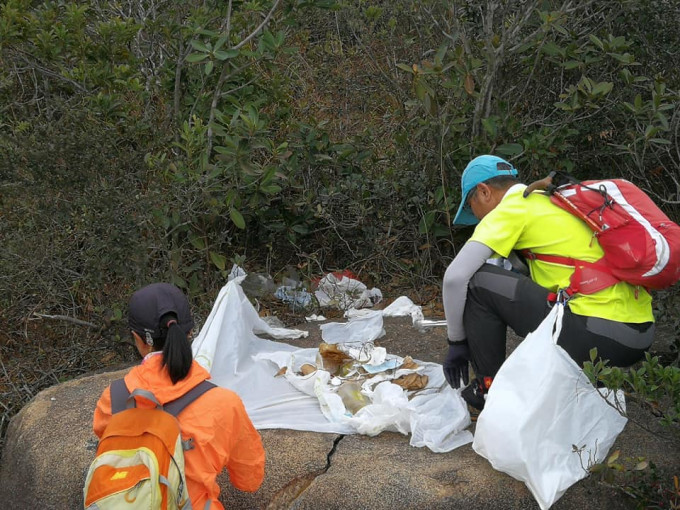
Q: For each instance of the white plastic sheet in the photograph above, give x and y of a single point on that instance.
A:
(539, 409)
(361, 328)
(238, 359)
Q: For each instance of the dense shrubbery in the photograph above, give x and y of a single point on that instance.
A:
(143, 141)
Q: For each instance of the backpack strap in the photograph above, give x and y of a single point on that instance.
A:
(587, 278)
(176, 406)
(120, 395)
(548, 185)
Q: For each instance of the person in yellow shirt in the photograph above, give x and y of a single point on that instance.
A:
(488, 287)
(217, 422)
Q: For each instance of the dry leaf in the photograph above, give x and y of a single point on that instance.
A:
(281, 371)
(332, 357)
(307, 369)
(409, 364)
(469, 84)
(412, 382)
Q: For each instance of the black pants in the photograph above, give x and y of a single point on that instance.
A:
(498, 298)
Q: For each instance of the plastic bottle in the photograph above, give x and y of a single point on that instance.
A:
(350, 393)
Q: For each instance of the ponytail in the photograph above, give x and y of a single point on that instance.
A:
(177, 354)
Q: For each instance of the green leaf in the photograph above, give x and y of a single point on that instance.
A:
(440, 230)
(420, 90)
(225, 54)
(663, 120)
(626, 76)
(439, 56)
(626, 58)
(117, 313)
(638, 101)
(205, 31)
(208, 67)
(510, 149)
(602, 88)
(551, 49)
(593, 354)
(197, 242)
(220, 42)
(597, 468)
(489, 126)
(597, 42)
(198, 45)
(237, 218)
(300, 229)
(270, 189)
(219, 260)
(179, 281)
(197, 57)
(571, 64)
(426, 222)
(405, 67)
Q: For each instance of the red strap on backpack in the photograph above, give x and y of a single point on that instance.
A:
(587, 278)
(641, 244)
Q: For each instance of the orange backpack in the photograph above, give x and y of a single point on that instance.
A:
(140, 457)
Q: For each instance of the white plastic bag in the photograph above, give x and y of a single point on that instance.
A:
(539, 410)
(358, 329)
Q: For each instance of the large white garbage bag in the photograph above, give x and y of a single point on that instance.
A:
(539, 410)
(228, 346)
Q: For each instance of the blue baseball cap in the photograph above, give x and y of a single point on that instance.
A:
(480, 169)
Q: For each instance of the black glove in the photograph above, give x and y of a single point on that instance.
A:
(456, 363)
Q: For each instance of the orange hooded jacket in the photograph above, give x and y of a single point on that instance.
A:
(222, 432)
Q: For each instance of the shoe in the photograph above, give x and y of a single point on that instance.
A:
(474, 394)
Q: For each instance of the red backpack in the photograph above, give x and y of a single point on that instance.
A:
(641, 245)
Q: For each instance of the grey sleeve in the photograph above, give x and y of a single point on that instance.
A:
(454, 287)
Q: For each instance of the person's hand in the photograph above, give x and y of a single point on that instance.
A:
(456, 364)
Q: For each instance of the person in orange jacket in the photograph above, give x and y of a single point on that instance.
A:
(222, 432)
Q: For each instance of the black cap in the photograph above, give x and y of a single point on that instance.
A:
(150, 303)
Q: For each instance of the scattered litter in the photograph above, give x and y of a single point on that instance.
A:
(384, 366)
(353, 372)
(235, 272)
(315, 318)
(257, 285)
(343, 292)
(354, 393)
(307, 398)
(411, 381)
(401, 307)
(352, 398)
(299, 299)
(353, 312)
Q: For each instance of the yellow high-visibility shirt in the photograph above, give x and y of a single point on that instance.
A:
(536, 224)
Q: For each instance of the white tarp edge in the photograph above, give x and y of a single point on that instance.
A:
(238, 359)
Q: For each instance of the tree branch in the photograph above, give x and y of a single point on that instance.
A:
(67, 319)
